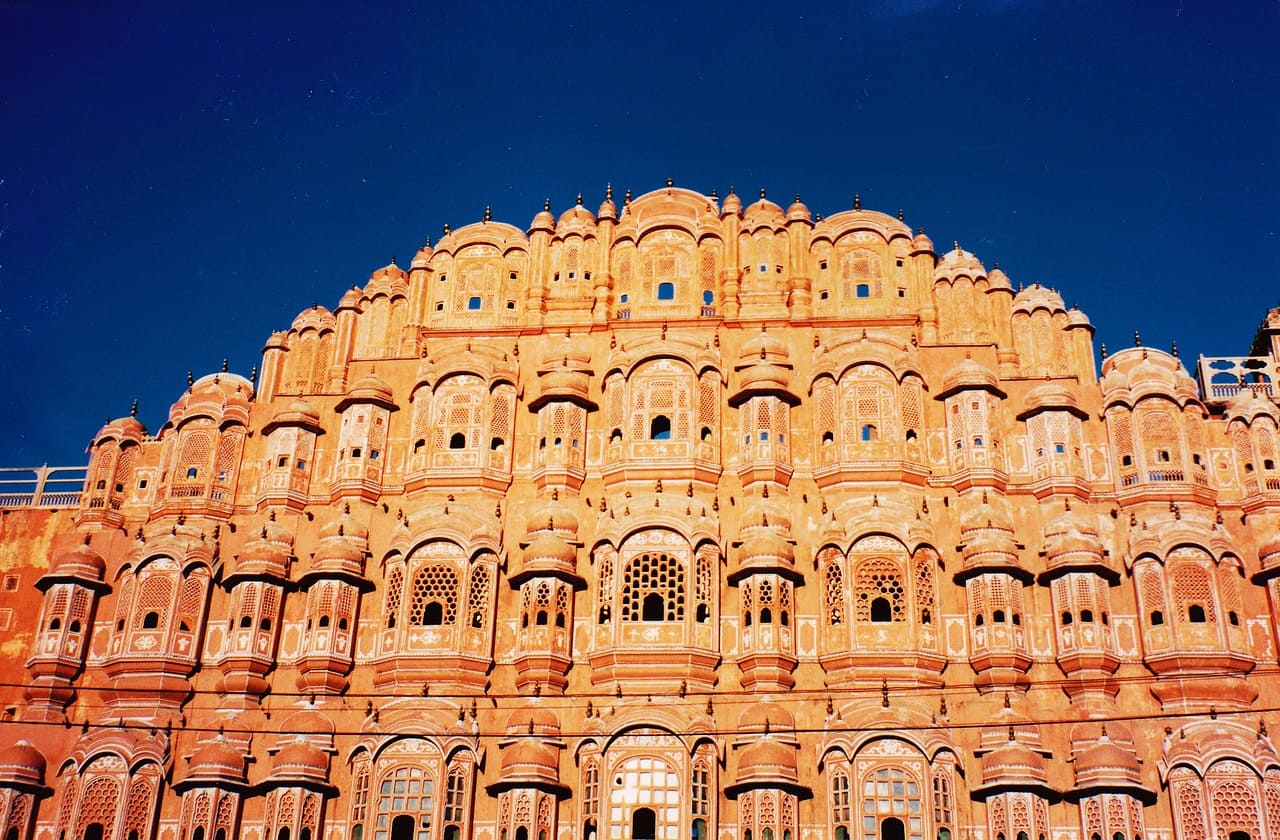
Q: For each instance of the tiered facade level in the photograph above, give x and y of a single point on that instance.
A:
(684, 519)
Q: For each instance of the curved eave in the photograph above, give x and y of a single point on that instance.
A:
(554, 788)
(44, 582)
(540, 401)
(1143, 795)
(358, 581)
(745, 394)
(982, 792)
(1099, 568)
(800, 791)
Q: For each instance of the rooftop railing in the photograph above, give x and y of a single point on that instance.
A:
(41, 487)
(1223, 377)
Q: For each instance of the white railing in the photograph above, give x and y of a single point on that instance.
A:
(41, 487)
(1222, 377)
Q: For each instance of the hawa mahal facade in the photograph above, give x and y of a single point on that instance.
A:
(682, 519)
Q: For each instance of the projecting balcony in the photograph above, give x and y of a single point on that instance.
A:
(1223, 377)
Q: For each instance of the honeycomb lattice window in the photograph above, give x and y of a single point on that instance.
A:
(1188, 803)
(1192, 585)
(394, 587)
(434, 595)
(98, 803)
(653, 588)
(1233, 798)
(478, 607)
(925, 593)
(880, 594)
(1160, 445)
(155, 596)
(833, 585)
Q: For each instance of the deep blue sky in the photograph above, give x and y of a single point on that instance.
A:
(176, 184)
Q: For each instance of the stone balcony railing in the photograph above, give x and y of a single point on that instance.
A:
(41, 487)
(1222, 377)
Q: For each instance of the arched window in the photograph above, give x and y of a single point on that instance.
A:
(457, 441)
(93, 831)
(653, 588)
(1195, 614)
(892, 829)
(660, 428)
(402, 828)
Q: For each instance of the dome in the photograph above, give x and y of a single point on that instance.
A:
(969, 375)
(732, 204)
(217, 759)
(958, 262)
(608, 210)
(763, 213)
(997, 279)
(1051, 396)
(125, 428)
(577, 215)
(1104, 762)
(389, 273)
(550, 547)
(298, 412)
(1246, 405)
(266, 556)
(542, 720)
(22, 765)
(921, 244)
(797, 212)
(531, 761)
(350, 300)
(345, 525)
(1269, 550)
(766, 714)
(543, 220)
(1035, 297)
(990, 512)
(422, 259)
(764, 347)
(1077, 318)
(313, 317)
(766, 549)
(81, 563)
(368, 389)
(301, 760)
(1013, 765)
(767, 760)
(554, 517)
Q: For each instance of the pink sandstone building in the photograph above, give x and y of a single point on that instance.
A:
(682, 519)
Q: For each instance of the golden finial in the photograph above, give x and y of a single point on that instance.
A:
(626, 198)
(797, 198)
(920, 231)
(579, 199)
(899, 214)
(224, 365)
(608, 192)
(1104, 351)
(670, 183)
(446, 230)
(253, 375)
(1174, 350)
(133, 411)
(546, 204)
(956, 244)
(488, 216)
(714, 193)
(191, 379)
(857, 202)
(1137, 339)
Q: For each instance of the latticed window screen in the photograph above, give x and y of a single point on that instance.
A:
(1233, 799)
(891, 792)
(1191, 583)
(1188, 803)
(434, 584)
(395, 585)
(879, 578)
(1160, 444)
(591, 788)
(455, 795)
(832, 561)
(406, 791)
(925, 592)
(98, 804)
(841, 810)
(651, 576)
(478, 597)
(155, 595)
